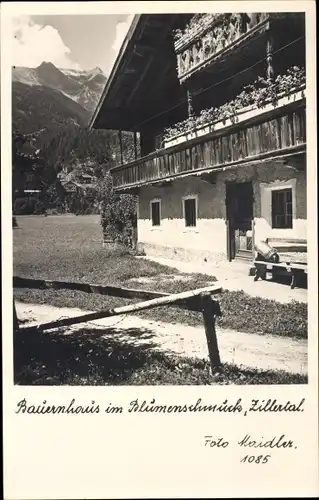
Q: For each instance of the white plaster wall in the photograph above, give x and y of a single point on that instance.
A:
(265, 177)
(263, 230)
(209, 235)
(209, 239)
(263, 223)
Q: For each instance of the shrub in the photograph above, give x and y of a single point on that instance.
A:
(24, 206)
(39, 208)
(118, 215)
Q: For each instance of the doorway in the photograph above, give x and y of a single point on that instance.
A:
(239, 213)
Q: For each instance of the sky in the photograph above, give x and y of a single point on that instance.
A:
(69, 41)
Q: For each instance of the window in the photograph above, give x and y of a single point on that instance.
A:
(281, 208)
(190, 212)
(156, 213)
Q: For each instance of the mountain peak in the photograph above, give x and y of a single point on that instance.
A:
(97, 69)
(82, 86)
(46, 64)
(92, 73)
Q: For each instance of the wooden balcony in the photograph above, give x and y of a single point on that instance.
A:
(254, 135)
(213, 36)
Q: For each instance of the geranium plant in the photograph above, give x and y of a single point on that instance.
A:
(255, 95)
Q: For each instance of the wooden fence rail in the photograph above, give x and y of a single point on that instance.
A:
(198, 300)
(192, 304)
(113, 291)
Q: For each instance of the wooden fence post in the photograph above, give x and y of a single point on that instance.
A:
(209, 315)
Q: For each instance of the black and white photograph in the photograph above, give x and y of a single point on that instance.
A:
(159, 199)
(159, 249)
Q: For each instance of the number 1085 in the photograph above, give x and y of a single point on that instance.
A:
(260, 459)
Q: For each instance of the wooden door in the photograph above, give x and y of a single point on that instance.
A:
(239, 208)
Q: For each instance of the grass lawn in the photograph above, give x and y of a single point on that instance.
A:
(70, 248)
(86, 357)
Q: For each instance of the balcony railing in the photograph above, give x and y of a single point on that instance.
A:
(210, 36)
(256, 135)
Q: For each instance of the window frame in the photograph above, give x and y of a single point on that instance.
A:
(159, 201)
(185, 198)
(275, 192)
(266, 188)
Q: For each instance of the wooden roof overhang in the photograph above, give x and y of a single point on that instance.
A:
(143, 85)
(143, 80)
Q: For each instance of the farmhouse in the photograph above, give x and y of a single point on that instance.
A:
(217, 106)
(86, 179)
(69, 186)
(80, 183)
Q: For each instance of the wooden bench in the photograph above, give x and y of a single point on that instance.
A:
(282, 268)
(288, 245)
(293, 260)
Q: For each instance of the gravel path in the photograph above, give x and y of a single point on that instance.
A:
(234, 276)
(246, 349)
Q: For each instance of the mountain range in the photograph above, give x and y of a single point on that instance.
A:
(52, 107)
(81, 86)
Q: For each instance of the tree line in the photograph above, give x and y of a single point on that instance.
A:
(36, 164)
